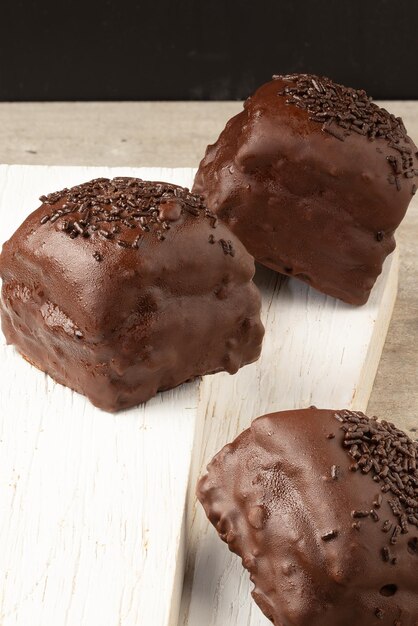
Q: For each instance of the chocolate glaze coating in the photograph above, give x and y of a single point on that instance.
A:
(308, 528)
(319, 201)
(120, 289)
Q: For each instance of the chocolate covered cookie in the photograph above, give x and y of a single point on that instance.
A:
(314, 178)
(322, 507)
(122, 288)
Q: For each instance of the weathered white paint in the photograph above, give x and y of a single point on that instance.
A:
(92, 504)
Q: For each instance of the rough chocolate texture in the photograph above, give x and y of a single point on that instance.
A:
(314, 179)
(301, 497)
(122, 288)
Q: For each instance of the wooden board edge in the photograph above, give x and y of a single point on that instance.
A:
(179, 574)
(363, 392)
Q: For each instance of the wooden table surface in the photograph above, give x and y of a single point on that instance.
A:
(175, 134)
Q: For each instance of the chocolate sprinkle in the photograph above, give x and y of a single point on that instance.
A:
(227, 247)
(344, 110)
(387, 525)
(379, 613)
(386, 554)
(329, 536)
(335, 472)
(121, 205)
(391, 457)
(360, 514)
(378, 501)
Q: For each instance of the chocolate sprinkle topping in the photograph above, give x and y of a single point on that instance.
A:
(391, 457)
(329, 536)
(120, 205)
(344, 110)
(379, 613)
(227, 247)
(386, 554)
(359, 514)
(378, 501)
(335, 472)
(387, 525)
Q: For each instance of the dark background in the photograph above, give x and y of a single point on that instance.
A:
(202, 50)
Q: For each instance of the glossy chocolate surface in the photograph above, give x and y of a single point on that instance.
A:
(321, 525)
(120, 289)
(313, 194)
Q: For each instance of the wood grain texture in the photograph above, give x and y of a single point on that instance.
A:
(92, 505)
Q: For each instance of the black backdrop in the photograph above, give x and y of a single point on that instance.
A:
(207, 49)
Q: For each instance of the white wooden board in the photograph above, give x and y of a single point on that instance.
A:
(92, 505)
